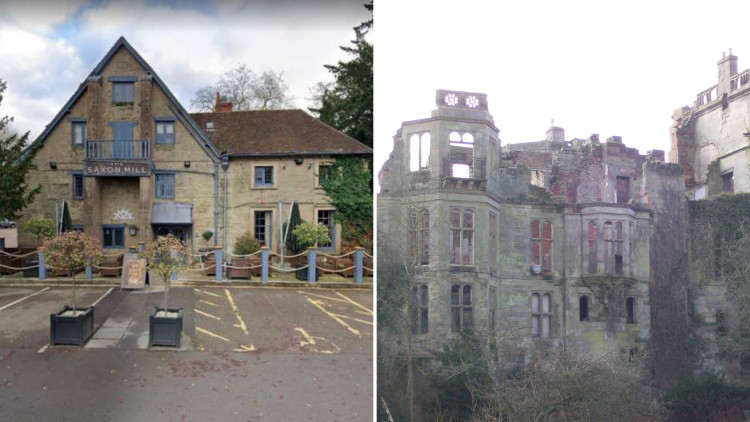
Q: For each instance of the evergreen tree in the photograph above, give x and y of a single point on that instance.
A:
(15, 194)
(346, 104)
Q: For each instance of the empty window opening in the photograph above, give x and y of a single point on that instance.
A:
(583, 308)
(727, 181)
(541, 247)
(420, 236)
(419, 298)
(419, 151)
(721, 323)
(540, 315)
(462, 317)
(630, 310)
(493, 308)
(593, 234)
(623, 190)
(461, 240)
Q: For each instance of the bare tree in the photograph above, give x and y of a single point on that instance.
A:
(246, 91)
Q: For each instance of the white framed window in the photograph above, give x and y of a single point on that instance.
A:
(263, 176)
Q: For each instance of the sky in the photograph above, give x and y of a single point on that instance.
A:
(49, 47)
(610, 68)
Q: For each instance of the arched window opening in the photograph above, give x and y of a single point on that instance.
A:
(583, 308)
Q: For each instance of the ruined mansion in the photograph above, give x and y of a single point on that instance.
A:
(552, 239)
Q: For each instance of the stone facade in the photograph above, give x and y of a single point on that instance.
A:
(710, 139)
(186, 182)
(568, 261)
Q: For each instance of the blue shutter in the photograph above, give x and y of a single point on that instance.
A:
(260, 176)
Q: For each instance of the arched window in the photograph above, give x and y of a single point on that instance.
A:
(540, 315)
(419, 299)
(593, 235)
(462, 317)
(461, 240)
(630, 310)
(583, 308)
(419, 151)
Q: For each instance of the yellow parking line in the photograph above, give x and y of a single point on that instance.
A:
(348, 299)
(207, 302)
(245, 348)
(334, 317)
(322, 296)
(309, 339)
(206, 314)
(199, 329)
(236, 312)
(208, 293)
(350, 317)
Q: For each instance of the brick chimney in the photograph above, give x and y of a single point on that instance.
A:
(222, 105)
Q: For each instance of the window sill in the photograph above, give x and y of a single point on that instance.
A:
(269, 187)
(455, 268)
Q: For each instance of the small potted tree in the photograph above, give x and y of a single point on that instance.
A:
(164, 257)
(244, 245)
(41, 228)
(72, 251)
(309, 235)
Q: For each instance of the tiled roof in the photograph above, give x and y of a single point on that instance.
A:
(275, 132)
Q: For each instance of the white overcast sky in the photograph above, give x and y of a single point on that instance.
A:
(47, 48)
(605, 67)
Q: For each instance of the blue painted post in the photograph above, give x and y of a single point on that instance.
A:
(264, 264)
(311, 265)
(219, 263)
(89, 271)
(42, 268)
(359, 263)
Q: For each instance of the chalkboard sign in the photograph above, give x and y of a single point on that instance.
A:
(133, 272)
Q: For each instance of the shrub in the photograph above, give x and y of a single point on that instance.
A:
(706, 398)
(72, 251)
(246, 244)
(309, 234)
(207, 235)
(165, 256)
(41, 228)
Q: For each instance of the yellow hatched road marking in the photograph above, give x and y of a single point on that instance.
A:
(208, 293)
(236, 312)
(206, 314)
(334, 317)
(199, 329)
(351, 317)
(323, 297)
(309, 338)
(348, 299)
(245, 348)
(207, 302)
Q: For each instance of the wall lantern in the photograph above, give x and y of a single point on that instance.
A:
(298, 160)
(133, 230)
(186, 164)
(53, 165)
(309, 165)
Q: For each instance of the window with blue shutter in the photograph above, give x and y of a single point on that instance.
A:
(165, 186)
(79, 133)
(78, 186)
(263, 176)
(165, 132)
(123, 92)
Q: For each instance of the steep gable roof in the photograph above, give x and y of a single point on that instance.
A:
(276, 133)
(181, 113)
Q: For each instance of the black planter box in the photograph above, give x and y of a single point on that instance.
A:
(31, 272)
(72, 330)
(302, 274)
(164, 331)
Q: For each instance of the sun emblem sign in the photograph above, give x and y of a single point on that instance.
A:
(472, 102)
(123, 214)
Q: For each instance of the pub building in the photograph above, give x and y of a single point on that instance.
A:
(133, 164)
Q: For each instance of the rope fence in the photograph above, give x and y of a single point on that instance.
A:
(335, 256)
(242, 256)
(283, 270)
(18, 256)
(18, 268)
(326, 270)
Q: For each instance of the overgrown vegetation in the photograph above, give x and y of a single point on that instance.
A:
(15, 163)
(349, 187)
(706, 398)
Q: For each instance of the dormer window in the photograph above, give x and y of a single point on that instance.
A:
(419, 151)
